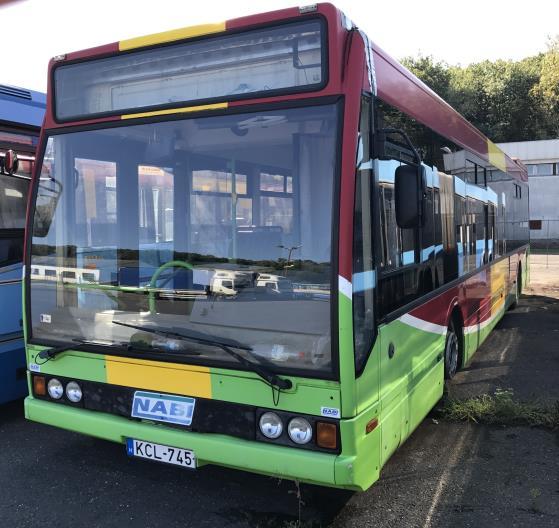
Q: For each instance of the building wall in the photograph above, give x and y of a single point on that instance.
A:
(544, 189)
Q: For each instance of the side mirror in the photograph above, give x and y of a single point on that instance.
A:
(11, 163)
(409, 190)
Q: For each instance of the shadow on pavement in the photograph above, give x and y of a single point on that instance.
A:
(10, 412)
(521, 353)
(94, 483)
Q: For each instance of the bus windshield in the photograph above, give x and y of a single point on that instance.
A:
(220, 225)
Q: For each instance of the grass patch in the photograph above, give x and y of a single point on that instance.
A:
(501, 409)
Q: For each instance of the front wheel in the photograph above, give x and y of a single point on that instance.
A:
(451, 352)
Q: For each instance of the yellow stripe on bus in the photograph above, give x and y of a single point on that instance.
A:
(496, 156)
(170, 36)
(215, 106)
(187, 380)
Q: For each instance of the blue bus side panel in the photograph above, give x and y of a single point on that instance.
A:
(10, 302)
(13, 382)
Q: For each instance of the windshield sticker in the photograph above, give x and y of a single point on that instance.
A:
(46, 318)
(330, 412)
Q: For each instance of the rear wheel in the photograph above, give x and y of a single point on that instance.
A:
(518, 289)
(451, 351)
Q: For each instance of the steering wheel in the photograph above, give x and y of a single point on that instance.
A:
(157, 273)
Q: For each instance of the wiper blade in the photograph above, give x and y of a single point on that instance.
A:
(225, 344)
(51, 353)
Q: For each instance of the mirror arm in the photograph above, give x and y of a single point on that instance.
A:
(400, 132)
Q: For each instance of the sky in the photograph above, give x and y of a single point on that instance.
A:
(32, 31)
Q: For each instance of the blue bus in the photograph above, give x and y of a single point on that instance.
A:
(21, 116)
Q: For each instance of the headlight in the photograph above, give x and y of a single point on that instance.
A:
(73, 392)
(271, 425)
(55, 388)
(300, 431)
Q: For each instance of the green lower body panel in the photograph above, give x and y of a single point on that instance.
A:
(222, 450)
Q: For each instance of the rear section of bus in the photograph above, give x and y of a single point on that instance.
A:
(21, 115)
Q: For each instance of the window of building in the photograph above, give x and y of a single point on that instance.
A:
(542, 169)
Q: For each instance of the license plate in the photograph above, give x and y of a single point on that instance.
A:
(161, 453)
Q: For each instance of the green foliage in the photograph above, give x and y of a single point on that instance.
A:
(507, 100)
(501, 409)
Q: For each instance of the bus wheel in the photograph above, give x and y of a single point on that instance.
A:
(451, 351)
(518, 289)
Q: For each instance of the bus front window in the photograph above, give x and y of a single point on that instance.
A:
(220, 225)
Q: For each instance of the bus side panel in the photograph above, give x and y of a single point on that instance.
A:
(12, 351)
(501, 292)
(13, 383)
(10, 301)
(409, 357)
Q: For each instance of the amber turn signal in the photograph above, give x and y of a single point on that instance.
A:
(371, 425)
(326, 435)
(39, 385)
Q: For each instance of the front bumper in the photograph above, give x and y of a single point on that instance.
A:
(277, 461)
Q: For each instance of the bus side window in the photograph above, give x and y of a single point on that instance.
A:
(13, 202)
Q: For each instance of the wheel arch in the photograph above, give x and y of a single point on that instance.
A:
(455, 315)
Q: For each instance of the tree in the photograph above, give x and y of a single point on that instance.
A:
(434, 74)
(547, 88)
(506, 100)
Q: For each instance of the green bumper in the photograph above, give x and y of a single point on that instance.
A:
(277, 461)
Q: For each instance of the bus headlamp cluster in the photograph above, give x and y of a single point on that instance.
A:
(299, 429)
(271, 425)
(56, 390)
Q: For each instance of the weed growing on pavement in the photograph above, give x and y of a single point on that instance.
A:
(501, 409)
(535, 494)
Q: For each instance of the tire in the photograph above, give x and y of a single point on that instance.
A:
(451, 351)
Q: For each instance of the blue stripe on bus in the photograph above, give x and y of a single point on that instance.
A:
(363, 281)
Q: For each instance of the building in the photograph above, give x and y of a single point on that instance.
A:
(542, 161)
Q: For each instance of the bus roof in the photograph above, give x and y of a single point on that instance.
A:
(19, 106)
(396, 85)
(402, 89)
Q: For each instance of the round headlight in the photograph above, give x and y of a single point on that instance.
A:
(73, 392)
(300, 431)
(55, 388)
(271, 425)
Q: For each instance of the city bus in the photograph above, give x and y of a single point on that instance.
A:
(21, 114)
(178, 169)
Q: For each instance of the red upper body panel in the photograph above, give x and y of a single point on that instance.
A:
(396, 85)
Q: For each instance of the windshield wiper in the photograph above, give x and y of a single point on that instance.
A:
(51, 353)
(225, 344)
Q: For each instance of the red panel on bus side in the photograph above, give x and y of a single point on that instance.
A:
(354, 73)
(473, 298)
(399, 88)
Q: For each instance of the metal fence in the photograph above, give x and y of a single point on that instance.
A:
(544, 236)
